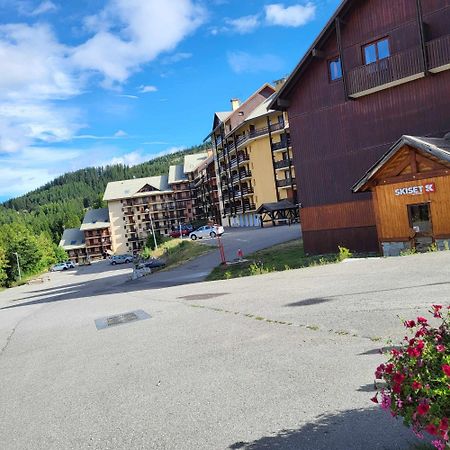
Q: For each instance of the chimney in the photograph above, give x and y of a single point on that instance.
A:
(235, 103)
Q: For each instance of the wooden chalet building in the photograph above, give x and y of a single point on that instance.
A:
(379, 70)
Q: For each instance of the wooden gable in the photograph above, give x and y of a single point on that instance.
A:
(409, 163)
(147, 188)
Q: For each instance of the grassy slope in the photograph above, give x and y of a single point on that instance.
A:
(289, 255)
(179, 251)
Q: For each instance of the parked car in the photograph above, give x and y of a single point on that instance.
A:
(60, 267)
(185, 230)
(121, 259)
(153, 263)
(207, 231)
(70, 264)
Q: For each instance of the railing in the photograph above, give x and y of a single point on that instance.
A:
(285, 182)
(385, 71)
(247, 191)
(259, 132)
(246, 174)
(282, 164)
(284, 143)
(438, 51)
(250, 206)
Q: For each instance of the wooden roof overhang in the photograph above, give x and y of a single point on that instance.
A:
(410, 158)
(281, 100)
(282, 205)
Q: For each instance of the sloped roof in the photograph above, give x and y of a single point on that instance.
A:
(222, 116)
(116, 190)
(191, 162)
(72, 239)
(176, 174)
(95, 219)
(437, 147)
(262, 109)
(276, 206)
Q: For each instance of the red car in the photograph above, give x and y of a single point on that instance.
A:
(184, 232)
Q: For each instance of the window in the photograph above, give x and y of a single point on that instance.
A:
(376, 50)
(335, 69)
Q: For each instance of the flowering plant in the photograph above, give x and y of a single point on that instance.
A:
(417, 377)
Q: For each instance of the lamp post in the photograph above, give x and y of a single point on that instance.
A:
(153, 229)
(18, 264)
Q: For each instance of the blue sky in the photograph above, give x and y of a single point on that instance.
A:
(91, 82)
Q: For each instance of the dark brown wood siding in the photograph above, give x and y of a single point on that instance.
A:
(336, 140)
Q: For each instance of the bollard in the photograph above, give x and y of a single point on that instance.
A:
(240, 254)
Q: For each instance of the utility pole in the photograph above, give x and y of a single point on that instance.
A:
(18, 265)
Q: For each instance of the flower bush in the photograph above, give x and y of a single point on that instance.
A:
(417, 377)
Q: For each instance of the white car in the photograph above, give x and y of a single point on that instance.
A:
(60, 267)
(207, 231)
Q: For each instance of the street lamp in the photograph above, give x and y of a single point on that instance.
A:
(153, 229)
(18, 264)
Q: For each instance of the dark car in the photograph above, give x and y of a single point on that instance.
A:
(153, 263)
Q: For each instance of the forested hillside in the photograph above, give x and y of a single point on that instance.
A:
(32, 224)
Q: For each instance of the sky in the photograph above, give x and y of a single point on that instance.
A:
(93, 82)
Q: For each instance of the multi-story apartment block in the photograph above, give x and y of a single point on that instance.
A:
(253, 158)
(72, 241)
(379, 70)
(202, 175)
(97, 233)
(141, 206)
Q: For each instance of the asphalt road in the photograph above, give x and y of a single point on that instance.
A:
(279, 361)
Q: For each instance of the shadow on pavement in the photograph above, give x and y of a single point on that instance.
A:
(356, 429)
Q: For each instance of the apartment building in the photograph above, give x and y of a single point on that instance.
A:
(97, 233)
(253, 158)
(379, 70)
(201, 173)
(141, 206)
(72, 241)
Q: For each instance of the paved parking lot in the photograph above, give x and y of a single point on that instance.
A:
(279, 361)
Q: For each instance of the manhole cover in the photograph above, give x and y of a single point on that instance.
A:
(203, 296)
(120, 319)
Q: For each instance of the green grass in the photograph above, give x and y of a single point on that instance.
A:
(286, 256)
(179, 251)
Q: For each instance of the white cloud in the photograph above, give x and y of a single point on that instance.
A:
(242, 62)
(128, 159)
(134, 97)
(144, 89)
(244, 25)
(120, 133)
(43, 8)
(290, 16)
(176, 57)
(138, 32)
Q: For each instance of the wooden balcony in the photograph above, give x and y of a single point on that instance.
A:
(386, 73)
(287, 182)
(284, 163)
(282, 145)
(438, 52)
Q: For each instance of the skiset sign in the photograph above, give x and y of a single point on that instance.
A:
(416, 190)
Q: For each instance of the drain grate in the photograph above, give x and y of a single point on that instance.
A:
(120, 319)
(203, 296)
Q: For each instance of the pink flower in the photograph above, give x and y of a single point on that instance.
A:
(398, 378)
(432, 429)
(438, 444)
(440, 348)
(446, 369)
(422, 320)
(416, 385)
(374, 398)
(385, 401)
(410, 323)
(422, 409)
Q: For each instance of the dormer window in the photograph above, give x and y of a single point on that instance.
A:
(376, 51)
(335, 69)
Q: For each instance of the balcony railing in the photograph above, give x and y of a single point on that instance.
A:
(282, 164)
(387, 72)
(285, 182)
(259, 132)
(249, 206)
(283, 144)
(438, 51)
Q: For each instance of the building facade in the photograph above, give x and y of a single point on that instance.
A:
(97, 233)
(72, 241)
(253, 156)
(377, 71)
(142, 206)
